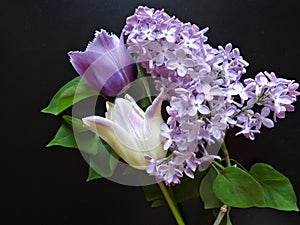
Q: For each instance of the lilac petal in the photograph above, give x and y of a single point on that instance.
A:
(192, 99)
(289, 108)
(189, 62)
(192, 111)
(265, 111)
(277, 107)
(181, 70)
(293, 87)
(168, 144)
(203, 109)
(200, 98)
(268, 123)
(178, 160)
(172, 64)
(243, 96)
(285, 99)
(228, 47)
(189, 173)
(261, 79)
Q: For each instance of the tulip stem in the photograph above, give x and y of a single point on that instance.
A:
(173, 205)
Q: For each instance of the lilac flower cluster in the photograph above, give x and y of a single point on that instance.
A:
(203, 87)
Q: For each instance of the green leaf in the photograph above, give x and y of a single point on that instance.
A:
(206, 190)
(72, 134)
(154, 195)
(158, 202)
(69, 94)
(278, 190)
(93, 175)
(64, 137)
(188, 188)
(102, 159)
(237, 188)
(76, 123)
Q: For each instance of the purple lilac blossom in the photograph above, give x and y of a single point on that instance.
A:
(203, 87)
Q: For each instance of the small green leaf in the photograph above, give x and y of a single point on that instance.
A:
(278, 190)
(72, 134)
(237, 188)
(158, 202)
(153, 194)
(64, 137)
(76, 123)
(69, 94)
(93, 175)
(206, 191)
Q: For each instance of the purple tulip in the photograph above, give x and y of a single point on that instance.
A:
(105, 65)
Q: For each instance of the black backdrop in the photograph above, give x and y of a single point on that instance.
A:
(47, 186)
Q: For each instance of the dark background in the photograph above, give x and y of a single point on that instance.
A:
(47, 186)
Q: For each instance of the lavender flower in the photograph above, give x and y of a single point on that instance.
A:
(204, 88)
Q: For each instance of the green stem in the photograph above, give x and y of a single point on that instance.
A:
(173, 206)
(226, 154)
(224, 208)
(170, 190)
(218, 165)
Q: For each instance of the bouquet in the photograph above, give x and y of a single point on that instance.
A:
(169, 99)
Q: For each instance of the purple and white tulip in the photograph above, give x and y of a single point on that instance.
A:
(105, 65)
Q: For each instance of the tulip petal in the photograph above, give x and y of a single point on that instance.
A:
(103, 42)
(124, 115)
(112, 71)
(153, 120)
(118, 138)
(135, 106)
(82, 60)
(109, 108)
(155, 109)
